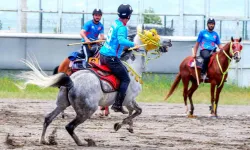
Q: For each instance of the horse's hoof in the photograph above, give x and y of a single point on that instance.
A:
(117, 126)
(214, 116)
(81, 144)
(131, 130)
(91, 143)
(43, 142)
(191, 116)
(101, 115)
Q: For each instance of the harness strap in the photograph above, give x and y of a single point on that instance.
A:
(229, 60)
(130, 69)
(157, 53)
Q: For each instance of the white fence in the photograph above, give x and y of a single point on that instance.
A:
(67, 16)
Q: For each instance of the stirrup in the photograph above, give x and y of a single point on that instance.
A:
(204, 77)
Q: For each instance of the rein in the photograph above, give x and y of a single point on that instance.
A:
(157, 53)
(229, 60)
(138, 78)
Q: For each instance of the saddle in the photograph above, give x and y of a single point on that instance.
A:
(80, 64)
(106, 77)
(109, 83)
(199, 61)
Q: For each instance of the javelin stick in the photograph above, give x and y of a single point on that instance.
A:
(132, 48)
(97, 41)
(195, 68)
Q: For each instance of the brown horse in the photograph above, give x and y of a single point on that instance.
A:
(217, 74)
(64, 67)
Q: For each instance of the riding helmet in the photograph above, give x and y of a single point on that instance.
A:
(97, 12)
(211, 20)
(124, 11)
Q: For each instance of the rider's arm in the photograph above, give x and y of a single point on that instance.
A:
(220, 46)
(196, 46)
(83, 32)
(83, 35)
(122, 39)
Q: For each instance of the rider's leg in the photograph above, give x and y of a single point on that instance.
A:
(205, 54)
(120, 71)
(82, 53)
(94, 49)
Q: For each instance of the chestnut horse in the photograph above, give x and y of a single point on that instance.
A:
(217, 74)
(64, 67)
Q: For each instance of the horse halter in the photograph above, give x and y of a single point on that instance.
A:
(235, 48)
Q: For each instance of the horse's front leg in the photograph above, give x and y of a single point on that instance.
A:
(217, 99)
(212, 91)
(128, 120)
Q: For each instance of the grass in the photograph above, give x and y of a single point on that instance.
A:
(8, 89)
(155, 88)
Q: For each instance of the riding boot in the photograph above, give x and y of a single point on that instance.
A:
(204, 69)
(117, 106)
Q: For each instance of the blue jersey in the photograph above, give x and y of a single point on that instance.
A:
(207, 40)
(93, 30)
(116, 40)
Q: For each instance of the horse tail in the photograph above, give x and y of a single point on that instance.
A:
(39, 78)
(55, 71)
(175, 84)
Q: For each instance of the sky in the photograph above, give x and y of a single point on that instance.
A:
(217, 7)
(71, 23)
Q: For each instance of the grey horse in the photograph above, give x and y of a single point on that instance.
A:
(84, 92)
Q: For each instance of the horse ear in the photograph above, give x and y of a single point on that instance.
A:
(240, 39)
(232, 39)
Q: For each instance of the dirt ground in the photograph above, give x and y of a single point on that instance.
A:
(160, 126)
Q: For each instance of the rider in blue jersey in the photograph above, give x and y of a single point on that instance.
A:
(93, 28)
(91, 31)
(207, 41)
(111, 52)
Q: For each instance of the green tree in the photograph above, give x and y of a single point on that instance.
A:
(1, 25)
(55, 30)
(151, 19)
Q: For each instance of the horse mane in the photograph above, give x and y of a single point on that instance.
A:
(227, 44)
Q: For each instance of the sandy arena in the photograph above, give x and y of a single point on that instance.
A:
(160, 126)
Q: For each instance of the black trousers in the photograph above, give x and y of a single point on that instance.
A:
(119, 70)
(205, 54)
(89, 52)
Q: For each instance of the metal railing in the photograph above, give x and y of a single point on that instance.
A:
(61, 21)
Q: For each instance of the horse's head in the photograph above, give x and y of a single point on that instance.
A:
(151, 47)
(127, 54)
(235, 48)
(165, 44)
(152, 41)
